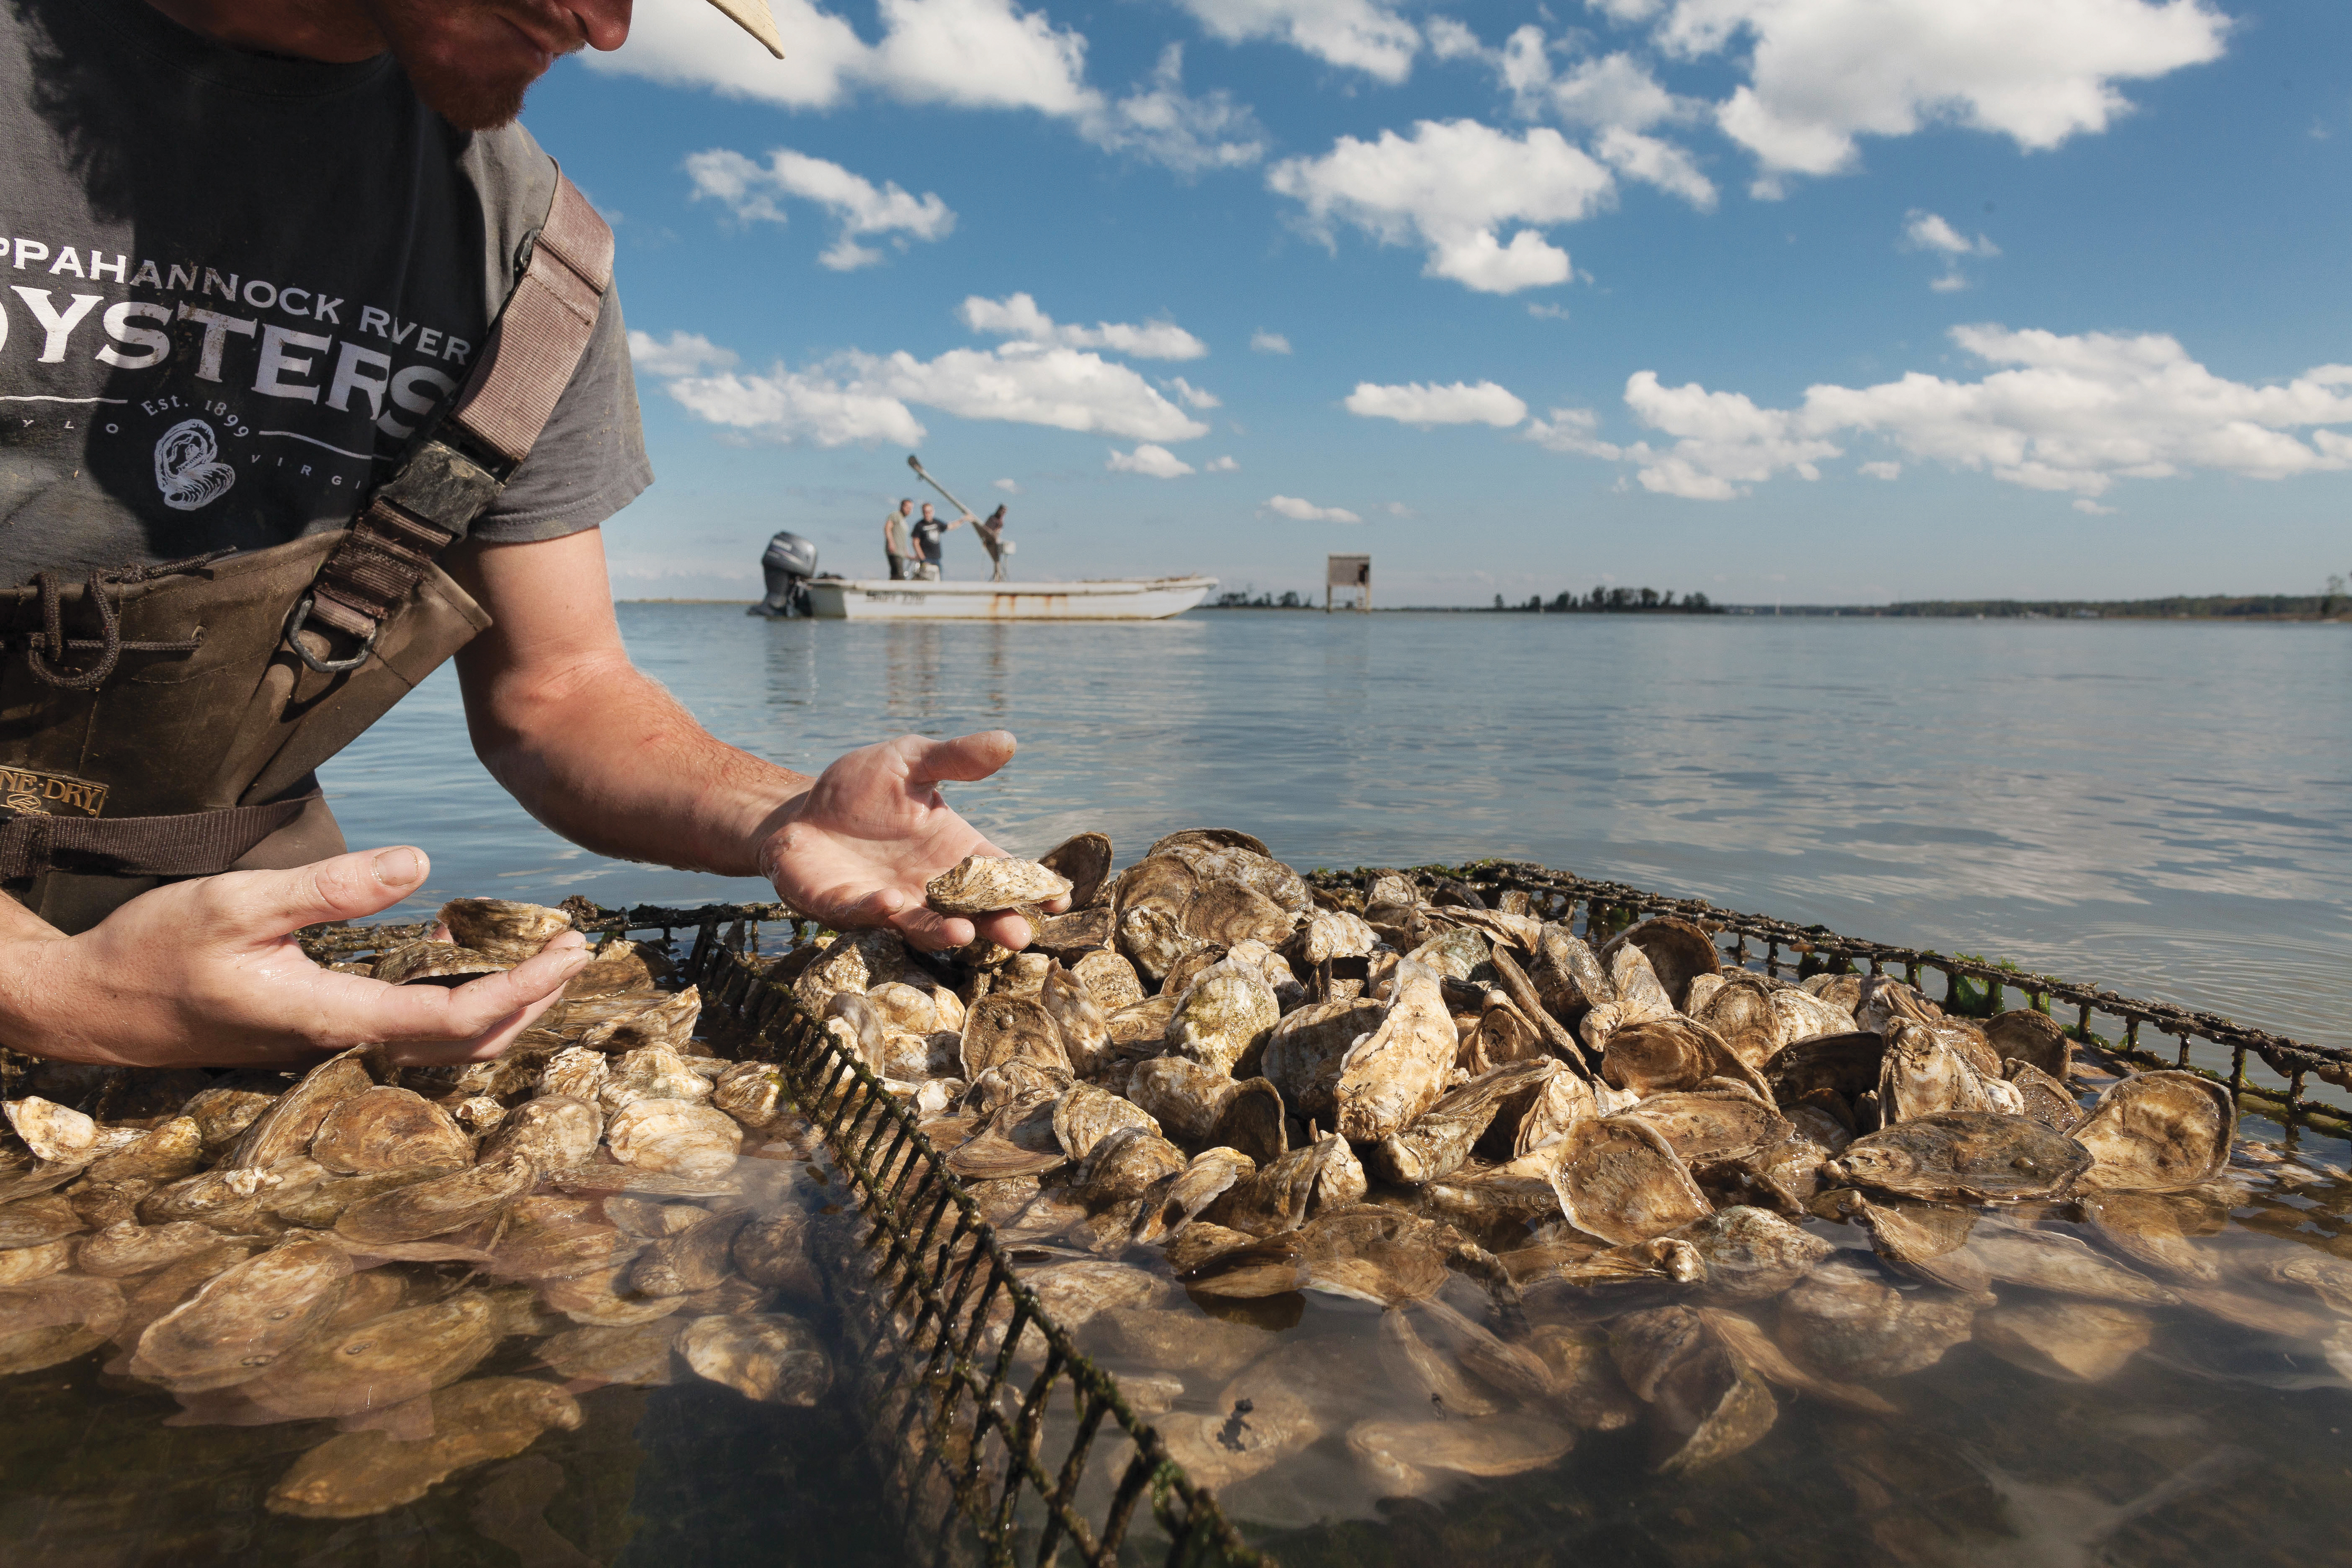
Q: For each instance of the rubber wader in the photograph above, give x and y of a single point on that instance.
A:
(166, 721)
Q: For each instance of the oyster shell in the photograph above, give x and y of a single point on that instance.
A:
(1712, 1125)
(638, 1354)
(770, 1357)
(1750, 1346)
(1843, 1324)
(2157, 1131)
(696, 1258)
(1391, 1076)
(380, 1362)
(2030, 1036)
(223, 1114)
(1401, 1455)
(1293, 1190)
(1438, 1142)
(1109, 979)
(382, 1129)
(1751, 1253)
(650, 1072)
(1224, 1020)
(23, 1264)
(774, 1252)
(244, 1318)
(2046, 1099)
(1085, 860)
(1618, 1179)
(1678, 953)
(1176, 1340)
(33, 1222)
(501, 928)
(435, 963)
(47, 1322)
(554, 1132)
(438, 1205)
(1367, 1252)
(676, 1137)
(368, 1472)
(984, 884)
(287, 1128)
(2151, 1229)
(1000, 1029)
(750, 1092)
(1304, 1052)
(1923, 1073)
(574, 1072)
(1124, 1164)
(1963, 1157)
(1665, 1055)
(1082, 1023)
(2074, 1341)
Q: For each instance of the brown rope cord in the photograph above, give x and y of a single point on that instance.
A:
(109, 642)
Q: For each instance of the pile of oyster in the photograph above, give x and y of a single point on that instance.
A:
(429, 1264)
(1386, 1172)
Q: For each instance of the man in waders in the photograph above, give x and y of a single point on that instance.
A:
(311, 376)
(895, 544)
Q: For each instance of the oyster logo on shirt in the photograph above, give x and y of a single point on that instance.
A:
(188, 469)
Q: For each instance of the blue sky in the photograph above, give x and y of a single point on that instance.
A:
(1826, 301)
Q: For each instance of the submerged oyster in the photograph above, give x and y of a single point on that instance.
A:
(2074, 1341)
(47, 1322)
(1958, 1155)
(2157, 1131)
(384, 1360)
(1618, 1179)
(1843, 1324)
(244, 1318)
(368, 1472)
(436, 1206)
(983, 884)
(1403, 1455)
(770, 1357)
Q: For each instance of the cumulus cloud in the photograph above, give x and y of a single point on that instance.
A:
(1016, 316)
(975, 54)
(1452, 186)
(1357, 34)
(1224, 465)
(2067, 413)
(755, 192)
(1300, 511)
(1157, 462)
(858, 396)
(1191, 396)
(1008, 485)
(1416, 404)
(1821, 73)
(1160, 122)
(1266, 342)
(682, 353)
(1656, 163)
(1880, 470)
(1927, 231)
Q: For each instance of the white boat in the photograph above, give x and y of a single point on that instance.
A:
(1110, 599)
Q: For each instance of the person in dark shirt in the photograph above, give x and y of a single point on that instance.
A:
(928, 531)
(992, 538)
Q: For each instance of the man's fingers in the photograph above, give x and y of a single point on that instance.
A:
(349, 886)
(409, 1013)
(1006, 930)
(491, 1042)
(931, 931)
(965, 758)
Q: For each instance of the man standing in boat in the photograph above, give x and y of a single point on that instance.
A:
(928, 531)
(992, 538)
(323, 382)
(894, 539)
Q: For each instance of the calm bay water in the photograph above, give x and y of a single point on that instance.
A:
(2164, 809)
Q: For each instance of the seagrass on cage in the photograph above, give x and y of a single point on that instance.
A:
(970, 1430)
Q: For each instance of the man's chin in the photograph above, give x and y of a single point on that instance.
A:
(470, 102)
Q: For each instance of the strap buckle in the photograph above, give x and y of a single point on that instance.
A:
(299, 618)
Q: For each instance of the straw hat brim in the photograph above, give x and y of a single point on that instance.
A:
(754, 17)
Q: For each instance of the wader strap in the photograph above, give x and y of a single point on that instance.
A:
(534, 347)
(196, 844)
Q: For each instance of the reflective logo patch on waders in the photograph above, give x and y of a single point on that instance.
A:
(24, 792)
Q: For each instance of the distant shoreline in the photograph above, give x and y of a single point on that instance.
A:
(2339, 613)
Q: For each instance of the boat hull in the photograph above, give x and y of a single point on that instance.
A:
(879, 599)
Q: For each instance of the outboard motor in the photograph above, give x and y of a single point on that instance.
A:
(788, 564)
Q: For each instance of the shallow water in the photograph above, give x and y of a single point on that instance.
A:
(2165, 810)
(2160, 809)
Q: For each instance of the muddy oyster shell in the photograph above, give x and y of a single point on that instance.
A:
(984, 884)
(435, 963)
(2157, 1131)
(1712, 1125)
(1963, 1157)
(2072, 1342)
(2029, 1037)
(1002, 1030)
(1224, 1020)
(502, 929)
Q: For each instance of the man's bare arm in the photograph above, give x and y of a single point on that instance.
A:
(598, 751)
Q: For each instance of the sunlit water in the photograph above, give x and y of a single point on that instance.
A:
(2161, 809)
(2165, 810)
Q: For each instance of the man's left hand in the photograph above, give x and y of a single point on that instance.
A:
(857, 848)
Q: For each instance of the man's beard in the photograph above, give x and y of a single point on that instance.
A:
(459, 84)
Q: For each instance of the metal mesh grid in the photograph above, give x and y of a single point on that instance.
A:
(972, 1390)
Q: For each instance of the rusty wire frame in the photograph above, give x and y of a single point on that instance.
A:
(961, 1436)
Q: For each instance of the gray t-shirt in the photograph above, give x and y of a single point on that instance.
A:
(231, 285)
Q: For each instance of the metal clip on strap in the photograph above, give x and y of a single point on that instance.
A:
(454, 475)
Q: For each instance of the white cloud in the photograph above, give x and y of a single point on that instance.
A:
(1266, 342)
(862, 397)
(1452, 185)
(975, 54)
(752, 192)
(1821, 73)
(1416, 404)
(1357, 34)
(1158, 462)
(1016, 316)
(1300, 511)
(2093, 509)
(791, 406)
(1549, 313)
(1881, 471)
(1007, 486)
(1924, 230)
(2067, 414)
(1160, 122)
(1191, 396)
(1656, 163)
(1224, 465)
(685, 354)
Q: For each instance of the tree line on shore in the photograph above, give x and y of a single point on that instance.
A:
(1605, 600)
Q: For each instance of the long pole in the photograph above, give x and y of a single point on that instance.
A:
(996, 558)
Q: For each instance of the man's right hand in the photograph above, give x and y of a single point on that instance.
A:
(207, 973)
